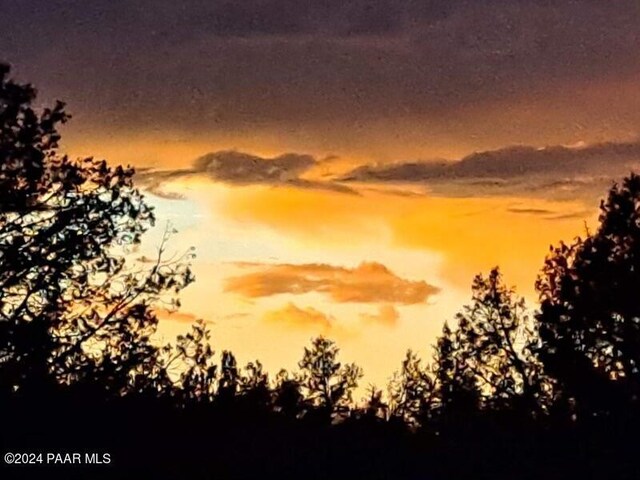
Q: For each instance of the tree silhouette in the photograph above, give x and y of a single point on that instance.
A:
(254, 387)
(72, 307)
(412, 391)
(486, 362)
(496, 339)
(375, 407)
(195, 363)
(325, 382)
(229, 380)
(287, 393)
(589, 318)
(459, 395)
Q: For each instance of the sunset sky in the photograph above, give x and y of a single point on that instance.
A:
(345, 168)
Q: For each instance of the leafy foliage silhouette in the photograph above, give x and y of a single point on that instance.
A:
(589, 320)
(497, 339)
(326, 383)
(507, 393)
(73, 308)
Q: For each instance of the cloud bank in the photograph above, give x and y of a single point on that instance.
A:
(555, 172)
(582, 172)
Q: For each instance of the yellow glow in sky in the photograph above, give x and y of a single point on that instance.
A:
(278, 265)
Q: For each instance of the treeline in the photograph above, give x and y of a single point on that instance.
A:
(508, 392)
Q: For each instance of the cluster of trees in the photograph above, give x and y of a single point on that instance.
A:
(508, 392)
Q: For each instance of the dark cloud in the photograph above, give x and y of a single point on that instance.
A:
(241, 18)
(546, 214)
(210, 66)
(238, 168)
(155, 182)
(509, 162)
(243, 168)
(557, 171)
(530, 211)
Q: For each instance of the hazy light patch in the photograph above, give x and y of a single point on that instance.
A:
(443, 241)
(466, 235)
(222, 238)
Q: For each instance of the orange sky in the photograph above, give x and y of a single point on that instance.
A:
(440, 234)
(377, 272)
(345, 168)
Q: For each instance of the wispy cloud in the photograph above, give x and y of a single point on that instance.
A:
(177, 316)
(310, 319)
(386, 316)
(370, 282)
(239, 168)
(292, 316)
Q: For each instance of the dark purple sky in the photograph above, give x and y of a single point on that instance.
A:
(380, 79)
